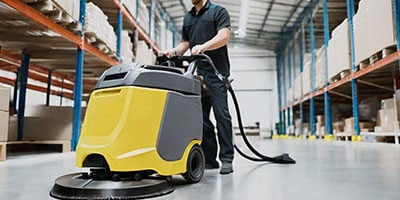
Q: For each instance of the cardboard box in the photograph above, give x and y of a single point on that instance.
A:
(48, 123)
(338, 126)
(298, 87)
(290, 95)
(306, 79)
(321, 119)
(349, 125)
(381, 29)
(339, 50)
(3, 126)
(320, 77)
(13, 128)
(361, 28)
(4, 99)
(387, 120)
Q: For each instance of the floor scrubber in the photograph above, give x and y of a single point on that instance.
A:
(143, 124)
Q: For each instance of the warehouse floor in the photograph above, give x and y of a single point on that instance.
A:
(324, 170)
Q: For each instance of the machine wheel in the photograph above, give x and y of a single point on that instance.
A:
(195, 165)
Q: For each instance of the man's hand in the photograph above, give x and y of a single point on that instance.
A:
(199, 49)
(169, 53)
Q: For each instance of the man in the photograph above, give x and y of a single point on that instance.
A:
(206, 29)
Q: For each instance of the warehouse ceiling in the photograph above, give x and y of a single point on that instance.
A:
(263, 22)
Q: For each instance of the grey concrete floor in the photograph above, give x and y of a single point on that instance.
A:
(324, 170)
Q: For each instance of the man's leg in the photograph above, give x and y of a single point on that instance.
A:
(209, 143)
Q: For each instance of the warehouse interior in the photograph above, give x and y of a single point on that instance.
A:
(318, 79)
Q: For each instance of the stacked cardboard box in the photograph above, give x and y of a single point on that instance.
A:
(144, 54)
(339, 50)
(126, 47)
(48, 123)
(381, 28)
(97, 26)
(338, 126)
(306, 78)
(298, 89)
(374, 28)
(4, 114)
(320, 125)
(361, 43)
(320, 68)
(143, 16)
(290, 94)
(387, 117)
(44, 123)
(169, 39)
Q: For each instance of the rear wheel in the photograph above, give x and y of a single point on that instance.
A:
(195, 165)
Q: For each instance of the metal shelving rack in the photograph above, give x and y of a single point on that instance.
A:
(28, 69)
(350, 82)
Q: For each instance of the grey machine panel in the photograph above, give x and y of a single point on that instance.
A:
(151, 76)
(182, 123)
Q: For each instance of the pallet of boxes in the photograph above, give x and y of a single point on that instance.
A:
(374, 31)
(4, 118)
(320, 126)
(387, 125)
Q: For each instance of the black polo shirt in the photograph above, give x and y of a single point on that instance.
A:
(202, 27)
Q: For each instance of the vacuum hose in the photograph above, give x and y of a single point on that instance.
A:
(281, 159)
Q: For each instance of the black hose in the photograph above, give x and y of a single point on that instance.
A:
(281, 159)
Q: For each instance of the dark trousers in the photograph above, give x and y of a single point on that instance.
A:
(216, 97)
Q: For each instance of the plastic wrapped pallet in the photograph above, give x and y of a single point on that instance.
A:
(96, 25)
(126, 47)
(163, 35)
(381, 29)
(290, 95)
(143, 16)
(306, 79)
(298, 89)
(144, 54)
(361, 43)
(320, 68)
(169, 39)
(71, 7)
(339, 50)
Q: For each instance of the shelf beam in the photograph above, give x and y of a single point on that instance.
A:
(44, 21)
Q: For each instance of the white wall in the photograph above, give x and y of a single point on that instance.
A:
(255, 85)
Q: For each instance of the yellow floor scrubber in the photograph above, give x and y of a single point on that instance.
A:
(141, 120)
(143, 124)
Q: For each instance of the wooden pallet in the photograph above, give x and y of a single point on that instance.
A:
(344, 136)
(62, 146)
(340, 75)
(3, 151)
(377, 56)
(52, 10)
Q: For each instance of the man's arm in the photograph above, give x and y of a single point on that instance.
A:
(220, 40)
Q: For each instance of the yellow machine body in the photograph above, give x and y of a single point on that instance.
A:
(123, 126)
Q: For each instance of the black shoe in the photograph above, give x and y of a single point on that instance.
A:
(226, 168)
